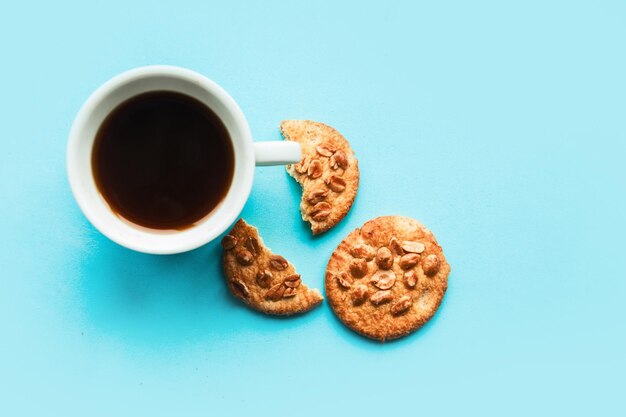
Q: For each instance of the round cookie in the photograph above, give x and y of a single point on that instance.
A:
(386, 279)
(328, 172)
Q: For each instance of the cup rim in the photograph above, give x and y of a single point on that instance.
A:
(192, 240)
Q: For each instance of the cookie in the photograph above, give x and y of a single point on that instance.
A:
(386, 279)
(261, 279)
(328, 172)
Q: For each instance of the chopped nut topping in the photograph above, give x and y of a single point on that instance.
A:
(335, 183)
(316, 196)
(396, 247)
(410, 278)
(320, 211)
(241, 287)
(253, 246)
(360, 293)
(292, 281)
(383, 280)
(264, 278)
(302, 166)
(290, 292)
(278, 263)
(276, 292)
(413, 247)
(362, 251)
(358, 268)
(315, 169)
(430, 265)
(409, 260)
(401, 305)
(384, 258)
(229, 242)
(325, 149)
(381, 297)
(338, 160)
(344, 279)
(244, 257)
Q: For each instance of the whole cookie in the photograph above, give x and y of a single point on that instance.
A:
(261, 279)
(328, 172)
(386, 279)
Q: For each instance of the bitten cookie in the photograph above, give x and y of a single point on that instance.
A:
(386, 279)
(264, 281)
(328, 172)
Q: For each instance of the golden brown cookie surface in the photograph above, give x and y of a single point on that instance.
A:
(328, 172)
(386, 279)
(263, 280)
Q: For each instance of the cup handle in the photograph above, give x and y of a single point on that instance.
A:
(277, 153)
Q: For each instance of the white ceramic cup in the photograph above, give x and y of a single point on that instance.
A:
(167, 78)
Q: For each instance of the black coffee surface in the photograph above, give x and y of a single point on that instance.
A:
(163, 160)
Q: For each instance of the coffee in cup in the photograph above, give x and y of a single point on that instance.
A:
(163, 160)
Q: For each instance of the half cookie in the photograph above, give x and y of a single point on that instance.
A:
(264, 281)
(328, 172)
(386, 279)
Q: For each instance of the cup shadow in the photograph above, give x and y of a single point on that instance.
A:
(155, 302)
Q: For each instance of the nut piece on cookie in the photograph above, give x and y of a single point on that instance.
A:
(384, 258)
(358, 268)
(362, 251)
(430, 265)
(401, 305)
(344, 279)
(261, 279)
(328, 172)
(383, 280)
(410, 278)
(360, 293)
(398, 278)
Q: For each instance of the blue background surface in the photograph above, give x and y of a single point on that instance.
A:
(501, 127)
